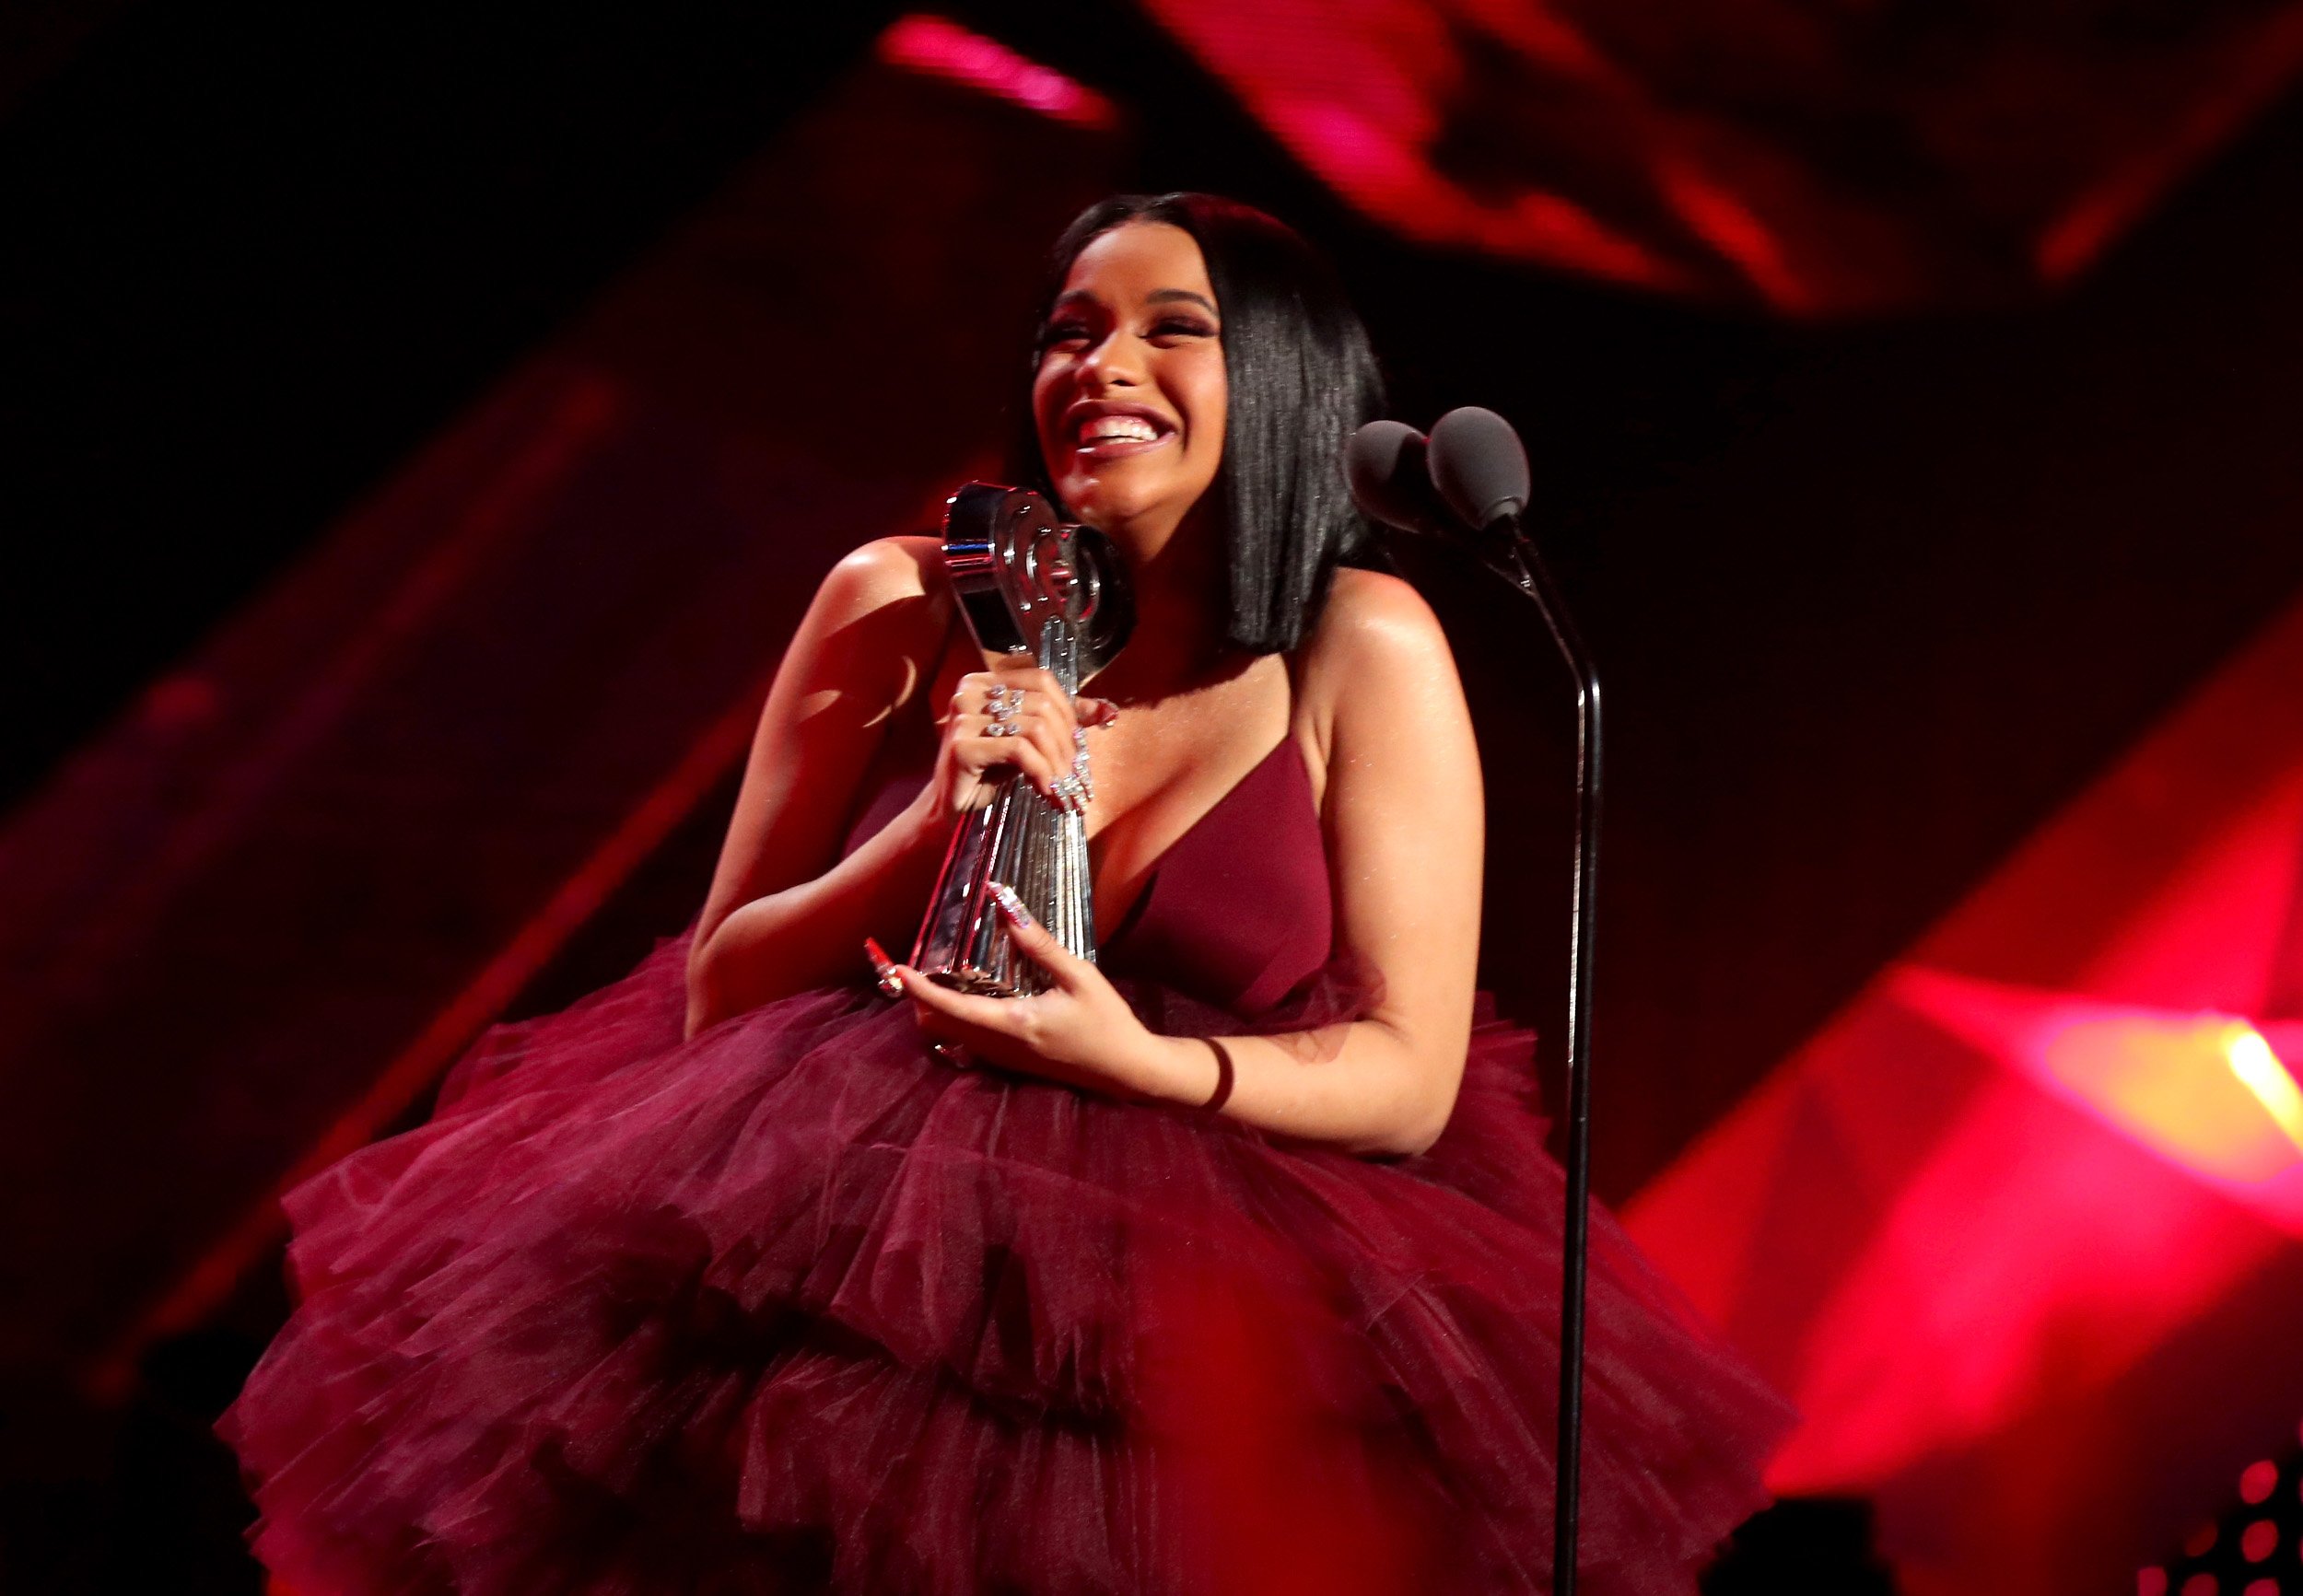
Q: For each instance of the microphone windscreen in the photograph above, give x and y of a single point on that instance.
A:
(1384, 463)
(1478, 465)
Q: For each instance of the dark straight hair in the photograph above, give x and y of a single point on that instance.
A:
(1301, 377)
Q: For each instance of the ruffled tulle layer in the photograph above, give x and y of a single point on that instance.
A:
(794, 1306)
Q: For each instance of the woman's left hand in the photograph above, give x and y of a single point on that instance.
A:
(1078, 1032)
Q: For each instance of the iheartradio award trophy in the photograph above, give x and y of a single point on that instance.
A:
(1027, 584)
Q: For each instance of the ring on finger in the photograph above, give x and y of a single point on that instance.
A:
(1004, 701)
(1004, 728)
(1081, 775)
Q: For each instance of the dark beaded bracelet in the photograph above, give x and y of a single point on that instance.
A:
(1223, 1075)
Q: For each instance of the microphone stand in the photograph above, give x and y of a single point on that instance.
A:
(1505, 551)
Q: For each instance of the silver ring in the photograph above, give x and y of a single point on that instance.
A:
(1004, 703)
(1004, 728)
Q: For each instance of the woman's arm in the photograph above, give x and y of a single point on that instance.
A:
(1403, 814)
(785, 912)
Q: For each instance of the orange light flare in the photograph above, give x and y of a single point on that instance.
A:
(2249, 1054)
(2207, 1090)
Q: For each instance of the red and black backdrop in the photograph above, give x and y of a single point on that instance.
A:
(417, 434)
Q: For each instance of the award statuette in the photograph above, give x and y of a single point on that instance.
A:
(1027, 584)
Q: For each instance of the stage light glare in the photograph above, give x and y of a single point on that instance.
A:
(940, 48)
(2173, 1082)
(2261, 1072)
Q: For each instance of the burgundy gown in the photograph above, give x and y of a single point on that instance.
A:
(794, 1306)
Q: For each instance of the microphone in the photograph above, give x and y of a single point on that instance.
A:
(1383, 462)
(1479, 467)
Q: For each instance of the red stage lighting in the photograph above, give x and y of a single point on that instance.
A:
(2021, 1230)
(940, 48)
(1814, 159)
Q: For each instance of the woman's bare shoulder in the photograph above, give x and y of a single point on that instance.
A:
(883, 572)
(1375, 622)
(1377, 661)
(878, 623)
(890, 591)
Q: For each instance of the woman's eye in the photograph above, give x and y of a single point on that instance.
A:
(1183, 327)
(1058, 334)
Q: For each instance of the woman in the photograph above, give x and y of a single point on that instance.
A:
(1229, 1264)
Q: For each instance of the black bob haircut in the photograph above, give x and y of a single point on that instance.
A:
(1301, 377)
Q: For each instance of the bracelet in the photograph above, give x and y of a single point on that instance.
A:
(1223, 1076)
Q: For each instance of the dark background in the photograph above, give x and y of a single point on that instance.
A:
(1872, 598)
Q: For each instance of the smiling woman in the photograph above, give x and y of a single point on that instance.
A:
(1227, 1263)
(1297, 378)
(1129, 395)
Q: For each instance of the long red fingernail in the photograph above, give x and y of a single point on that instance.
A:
(884, 968)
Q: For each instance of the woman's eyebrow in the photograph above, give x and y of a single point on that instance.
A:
(1159, 296)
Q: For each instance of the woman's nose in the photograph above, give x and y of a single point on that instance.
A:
(1115, 363)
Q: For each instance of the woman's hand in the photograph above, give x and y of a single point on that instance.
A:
(1014, 713)
(1078, 1032)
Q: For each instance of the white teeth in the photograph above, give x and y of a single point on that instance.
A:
(1117, 429)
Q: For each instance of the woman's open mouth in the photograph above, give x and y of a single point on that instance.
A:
(1115, 435)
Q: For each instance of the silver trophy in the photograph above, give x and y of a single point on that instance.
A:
(1027, 584)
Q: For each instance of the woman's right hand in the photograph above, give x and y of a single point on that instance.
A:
(1014, 693)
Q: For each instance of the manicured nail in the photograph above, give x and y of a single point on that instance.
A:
(884, 968)
(1012, 905)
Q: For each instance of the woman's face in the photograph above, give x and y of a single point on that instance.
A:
(1131, 397)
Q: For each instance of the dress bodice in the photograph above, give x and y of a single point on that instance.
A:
(1237, 912)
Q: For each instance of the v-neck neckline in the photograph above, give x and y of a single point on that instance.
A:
(1135, 911)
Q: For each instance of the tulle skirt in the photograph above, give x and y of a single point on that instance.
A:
(796, 1307)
